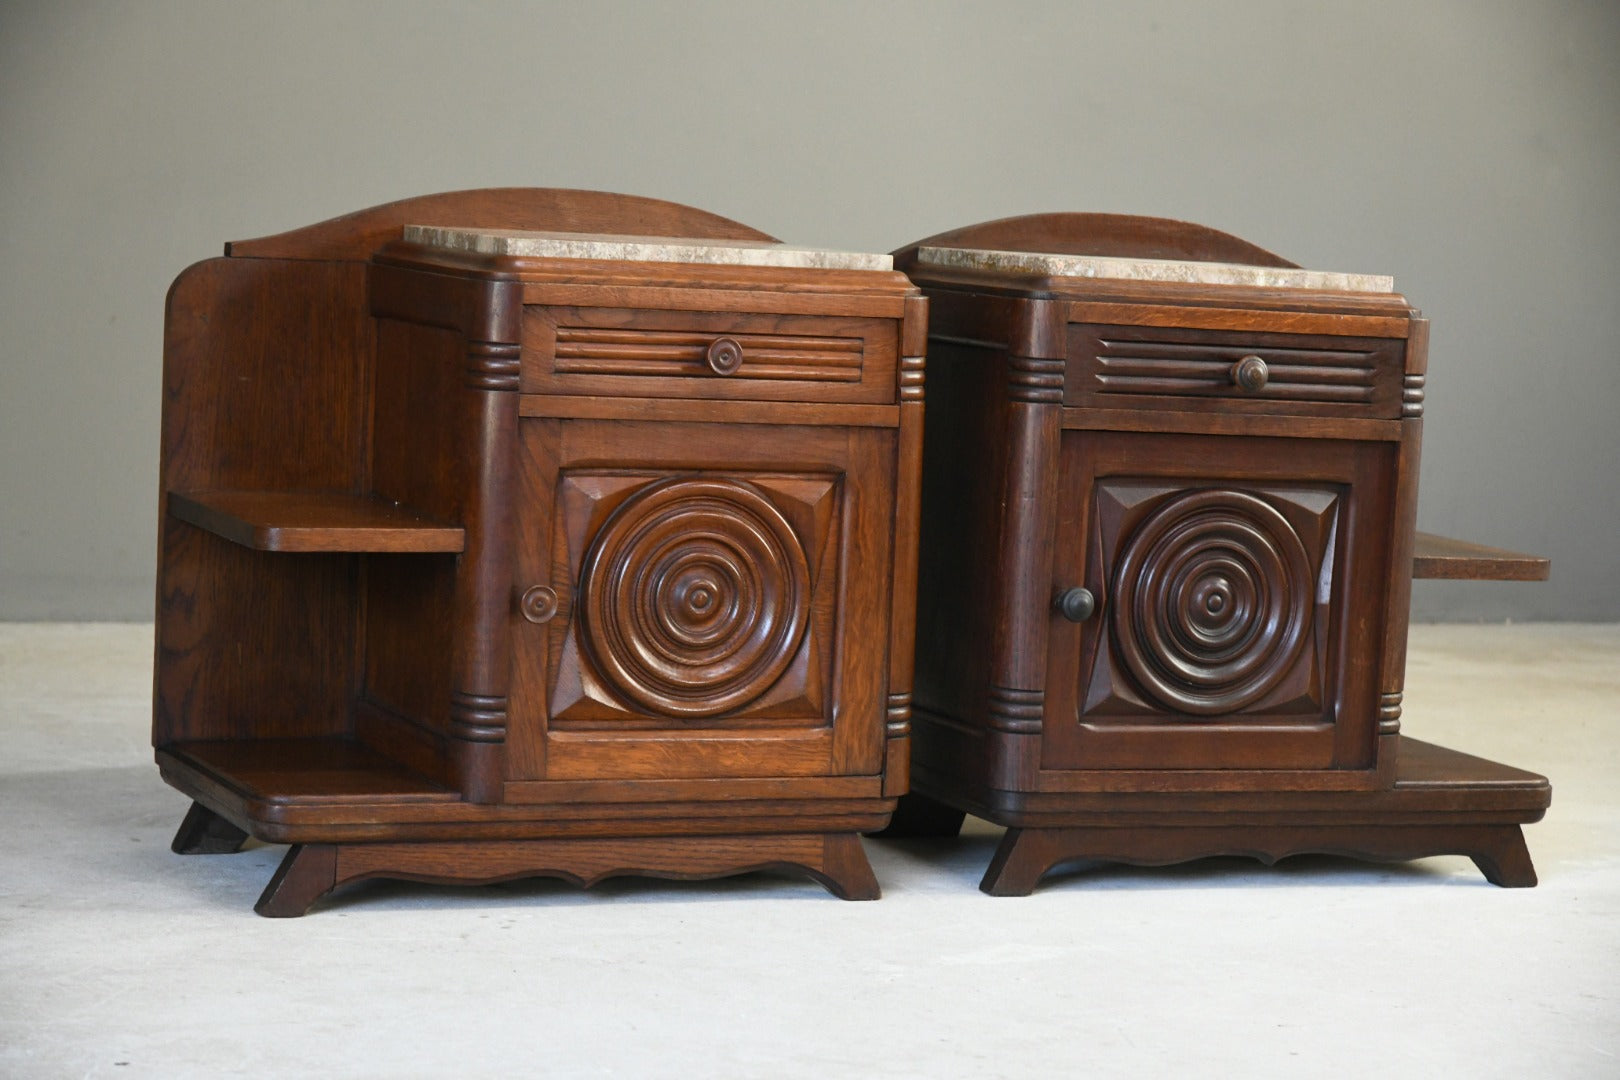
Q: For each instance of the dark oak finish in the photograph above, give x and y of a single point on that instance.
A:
(311, 871)
(1458, 560)
(306, 522)
(1167, 552)
(1024, 856)
(1441, 802)
(474, 567)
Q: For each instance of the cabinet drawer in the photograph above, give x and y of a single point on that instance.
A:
(1211, 370)
(708, 354)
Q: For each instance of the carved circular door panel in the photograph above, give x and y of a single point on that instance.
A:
(695, 595)
(1212, 596)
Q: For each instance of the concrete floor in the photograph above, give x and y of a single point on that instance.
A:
(120, 959)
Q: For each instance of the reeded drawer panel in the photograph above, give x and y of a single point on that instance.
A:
(1210, 370)
(708, 354)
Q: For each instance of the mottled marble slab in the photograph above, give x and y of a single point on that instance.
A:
(674, 249)
(1186, 272)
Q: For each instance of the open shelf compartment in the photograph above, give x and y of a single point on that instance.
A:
(332, 769)
(315, 522)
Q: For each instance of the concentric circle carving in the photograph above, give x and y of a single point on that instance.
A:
(1211, 601)
(694, 596)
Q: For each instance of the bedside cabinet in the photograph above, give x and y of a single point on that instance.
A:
(1168, 540)
(538, 532)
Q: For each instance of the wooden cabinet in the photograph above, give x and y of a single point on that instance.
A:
(489, 554)
(1167, 551)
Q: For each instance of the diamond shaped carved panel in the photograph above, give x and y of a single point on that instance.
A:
(1217, 600)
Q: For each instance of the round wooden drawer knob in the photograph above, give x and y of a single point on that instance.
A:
(725, 356)
(1076, 605)
(1251, 373)
(539, 604)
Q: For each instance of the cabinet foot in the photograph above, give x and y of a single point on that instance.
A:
(1503, 858)
(1026, 855)
(310, 871)
(845, 870)
(1020, 861)
(919, 816)
(204, 832)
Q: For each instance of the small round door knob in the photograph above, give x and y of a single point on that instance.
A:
(725, 356)
(539, 604)
(1076, 604)
(1251, 373)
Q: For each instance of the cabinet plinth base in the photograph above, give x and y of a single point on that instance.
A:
(350, 814)
(1025, 855)
(1441, 803)
(311, 871)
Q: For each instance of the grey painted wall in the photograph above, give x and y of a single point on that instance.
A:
(1470, 148)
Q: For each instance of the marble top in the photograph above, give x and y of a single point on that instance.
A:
(1187, 272)
(674, 249)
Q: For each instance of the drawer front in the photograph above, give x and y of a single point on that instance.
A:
(1210, 370)
(629, 352)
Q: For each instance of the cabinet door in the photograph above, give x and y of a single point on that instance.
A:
(1239, 614)
(700, 601)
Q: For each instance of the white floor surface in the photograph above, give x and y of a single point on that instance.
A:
(120, 959)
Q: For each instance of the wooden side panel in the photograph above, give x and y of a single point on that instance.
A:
(247, 346)
(959, 536)
(250, 644)
(990, 506)
(408, 638)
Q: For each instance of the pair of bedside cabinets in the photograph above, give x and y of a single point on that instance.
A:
(531, 531)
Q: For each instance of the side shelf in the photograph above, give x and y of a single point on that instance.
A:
(314, 522)
(1440, 557)
(266, 786)
(316, 770)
